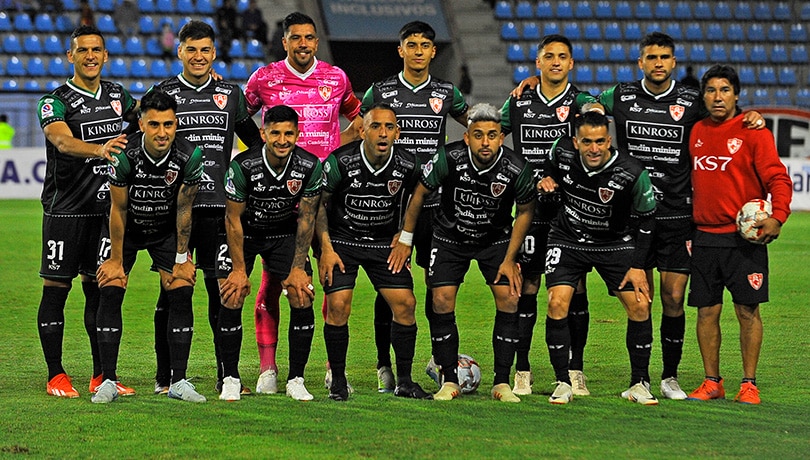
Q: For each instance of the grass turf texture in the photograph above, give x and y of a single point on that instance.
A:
(376, 425)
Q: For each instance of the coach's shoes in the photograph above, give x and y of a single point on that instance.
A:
(386, 383)
(578, 387)
(749, 394)
(523, 383)
(161, 388)
(185, 391)
(707, 390)
(448, 391)
(296, 390)
(61, 386)
(563, 394)
(640, 393)
(411, 390)
(123, 390)
(503, 392)
(671, 389)
(231, 389)
(107, 392)
(268, 382)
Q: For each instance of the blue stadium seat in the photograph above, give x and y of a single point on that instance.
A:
(52, 85)
(804, 12)
(118, 68)
(520, 73)
(798, 33)
(177, 67)
(237, 49)
(544, 10)
(57, 67)
(159, 70)
(43, 23)
(604, 74)
(515, 53)
(592, 31)
(782, 96)
(137, 88)
(744, 100)
(756, 33)
(531, 31)
(139, 69)
(22, 23)
(5, 22)
(503, 9)
(564, 10)
(683, 11)
(734, 33)
(703, 10)
(571, 30)
(762, 11)
(15, 67)
(597, 53)
(105, 5)
(632, 31)
(53, 45)
(604, 10)
(779, 54)
(71, 5)
(153, 47)
(551, 28)
(798, 54)
(624, 73)
(776, 33)
(767, 75)
(617, 53)
(583, 74)
(613, 31)
(114, 45)
(787, 76)
(742, 11)
(533, 50)
(36, 67)
(524, 10)
(578, 52)
(32, 44)
(239, 71)
(255, 49)
(697, 53)
(32, 86)
(106, 24)
(758, 54)
(241, 5)
(63, 23)
(147, 25)
(673, 29)
(694, 32)
(782, 12)
(738, 53)
(186, 7)
(10, 85)
(722, 11)
(206, 7)
(714, 33)
(12, 44)
(133, 46)
(718, 53)
(663, 10)
(643, 10)
(509, 31)
(583, 10)
(653, 27)
(803, 97)
(623, 10)
(164, 6)
(748, 76)
(222, 69)
(761, 97)
(146, 6)
(680, 53)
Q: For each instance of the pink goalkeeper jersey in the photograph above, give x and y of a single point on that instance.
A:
(319, 96)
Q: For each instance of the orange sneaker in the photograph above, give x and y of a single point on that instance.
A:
(122, 390)
(749, 394)
(62, 387)
(707, 390)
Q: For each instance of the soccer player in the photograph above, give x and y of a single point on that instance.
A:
(153, 183)
(209, 112)
(731, 165)
(320, 93)
(422, 104)
(273, 194)
(481, 180)
(538, 117)
(365, 188)
(601, 187)
(82, 122)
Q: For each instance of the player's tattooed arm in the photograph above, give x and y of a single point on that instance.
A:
(298, 284)
(185, 198)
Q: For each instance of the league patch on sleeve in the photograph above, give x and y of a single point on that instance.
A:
(46, 111)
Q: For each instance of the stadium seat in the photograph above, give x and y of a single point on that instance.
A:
(564, 10)
(58, 67)
(803, 97)
(742, 11)
(544, 10)
(31, 85)
(592, 31)
(503, 9)
(761, 97)
(583, 10)
(617, 53)
(106, 24)
(32, 44)
(222, 69)
(762, 11)
(673, 29)
(718, 53)
(804, 13)
(53, 45)
(52, 85)
(767, 76)
(237, 50)
(63, 23)
(782, 12)
(10, 85)
(738, 53)
(36, 67)
(164, 6)
(524, 10)
(702, 10)
(152, 47)
(206, 7)
(756, 33)
(239, 71)
(604, 74)
(531, 31)
(597, 53)
(137, 88)
(722, 11)
(798, 54)
(643, 10)
(683, 11)
(578, 52)
(22, 23)
(551, 28)
(714, 33)
(509, 31)
(604, 10)
(782, 96)
(652, 27)
(734, 33)
(779, 54)
(613, 31)
(787, 76)
(146, 6)
(743, 99)
(105, 5)
(747, 75)
(5, 22)
(663, 10)
(520, 73)
(43, 23)
(256, 51)
(177, 67)
(139, 69)
(12, 45)
(186, 7)
(680, 53)
(798, 33)
(776, 33)
(571, 30)
(583, 74)
(133, 46)
(118, 68)
(241, 5)
(114, 45)
(694, 32)
(147, 25)
(71, 5)
(15, 67)
(624, 73)
(623, 10)
(758, 55)
(632, 31)
(515, 53)
(697, 53)
(159, 70)
(533, 50)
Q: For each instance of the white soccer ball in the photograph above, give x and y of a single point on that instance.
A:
(749, 214)
(469, 373)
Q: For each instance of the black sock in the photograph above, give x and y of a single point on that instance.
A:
(752, 381)
(91, 296)
(504, 339)
(51, 325)
(403, 338)
(212, 288)
(302, 329)
(164, 368)
(109, 329)
(558, 340)
(181, 329)
(578, 320)
(639, 346)
(382, 330)
(527, 318)
(229, 341)
(672, 332)
(336, 339)
(444, 337)
(714, 379)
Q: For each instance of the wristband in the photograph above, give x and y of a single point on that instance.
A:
(181, 258)
(406, 238)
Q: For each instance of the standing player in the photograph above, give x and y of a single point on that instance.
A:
(153, 183)
(481, 180)
(422, 104)
(365, 188)
(601, 187)
(209, 112)
(82, 122)
(273, 194)
(731, 165)
(320, 93)
(538, 117)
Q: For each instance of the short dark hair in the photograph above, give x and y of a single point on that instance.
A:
(417, 27)
(86, 30)
(157, 100)
(280, 114)
(296, 18)
(554, 38)
(592, 118)
(196, 30)
(657, 39)
(721, 71)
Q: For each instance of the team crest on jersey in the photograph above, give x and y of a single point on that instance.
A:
(605, 194)
(676, 112)
(734, 145)
(497, 188)
(294, 185)
(220, 100)
(325, 92)
(436, 104)
(116, 106)
(393, 186)
(562, 112)
(171, 176)
(755, 280)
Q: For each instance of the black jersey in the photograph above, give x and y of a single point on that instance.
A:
(154, 184)
(367, 205)
(597, 205)
(78, 186)
(271, 199)
(476, 204)
(655, 130)
(207, 116)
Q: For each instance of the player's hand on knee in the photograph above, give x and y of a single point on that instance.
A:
(234, 289)
(511, 271)
(298, 288)
(399, 256)
(109, 272)
(326, 266)
(186, 271)
(638, 278)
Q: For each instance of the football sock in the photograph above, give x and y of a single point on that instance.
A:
(558, 340)
(164, 368)
(403, 339)
(91, 295)
(302, 329)
(752, 381)
(383, 317)
(181, 329)
(212, 286)
(713, 378)
(266, 316)
(336, 339)
(229, 341)
(444, 338)
(51, 325)
(527, 318)
(108, 327)
(504, 338)
(672, 333)
(578, 320)
(639, 345)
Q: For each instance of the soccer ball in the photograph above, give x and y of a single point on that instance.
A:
(749, 214)
(469, 373)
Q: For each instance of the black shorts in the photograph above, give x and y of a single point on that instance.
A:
(374, 261)
(277, 257)
(743, 269)
(670, 246)
(449, 262)
(162, 249)
(208, 240)
(423, 237)
(567, 265)
(532, 257)
(70, 246)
